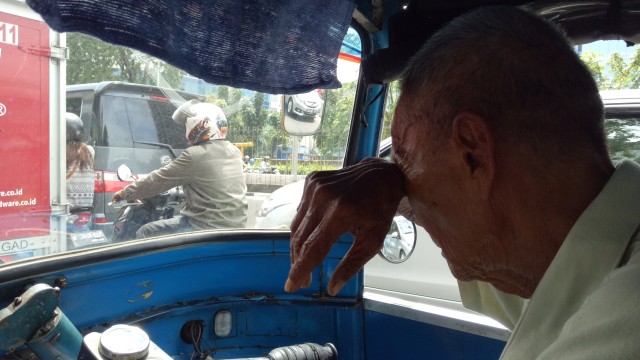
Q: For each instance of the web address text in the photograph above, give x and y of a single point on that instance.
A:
(16, 192)
(4, 204)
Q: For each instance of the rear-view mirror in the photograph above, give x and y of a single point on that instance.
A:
(302, 113)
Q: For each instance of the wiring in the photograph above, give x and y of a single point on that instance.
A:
(193, 333)
(382, 90)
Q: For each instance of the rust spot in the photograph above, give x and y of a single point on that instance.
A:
(141, 294)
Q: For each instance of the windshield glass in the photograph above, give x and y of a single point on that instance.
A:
(143, 148)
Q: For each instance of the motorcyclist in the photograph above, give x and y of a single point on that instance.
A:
(246, 165)
(80, 174)
(210, 171)
(264, 165)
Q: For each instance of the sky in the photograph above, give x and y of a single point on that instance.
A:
(611, 46)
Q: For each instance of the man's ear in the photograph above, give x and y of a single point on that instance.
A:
(474, 141)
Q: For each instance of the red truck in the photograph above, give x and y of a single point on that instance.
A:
(32, 188)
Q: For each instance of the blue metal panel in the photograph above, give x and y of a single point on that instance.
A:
(258, 328)
(204, 271)
(160, 284)
(390, 337)
(370, 134)
(372, 117)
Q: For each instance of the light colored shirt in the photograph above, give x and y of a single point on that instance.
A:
(213, 184)
(81, 184)
(587, 305)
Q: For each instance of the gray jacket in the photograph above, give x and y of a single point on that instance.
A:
(213, 182)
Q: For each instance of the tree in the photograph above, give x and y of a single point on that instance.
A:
(621, 137)
(90, 60)
(594, 63)
(391, 100)
(214, 99)
(619, 71)
(223, 93)
(93, 60)
(634, 70)
(332, 137)
(249, 121)
(616, 73)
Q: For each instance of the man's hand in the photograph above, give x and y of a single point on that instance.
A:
(118, 196)
(361, 199)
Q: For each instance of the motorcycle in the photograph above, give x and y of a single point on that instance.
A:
(264, 168)
(81, 232)
(267, 168)
(133, 215)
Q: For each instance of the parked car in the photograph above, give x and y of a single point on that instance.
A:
(400, 240)
(127, 124)
(306, 106)
(279, 208)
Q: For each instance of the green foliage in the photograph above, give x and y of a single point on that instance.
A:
(93, 60)
(304, 168)
(391, 100)
(617, 73)
(634, 70)
(622, 139)
(338, 111)
(249, 121)
(594, 63)
(210, 98)
(223, 93)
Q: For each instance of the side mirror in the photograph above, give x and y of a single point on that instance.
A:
(302, 114)
(124, 173)
(399, 245)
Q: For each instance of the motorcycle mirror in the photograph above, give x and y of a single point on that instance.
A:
(124, 173)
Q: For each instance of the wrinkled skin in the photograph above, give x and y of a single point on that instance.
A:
(362, 200)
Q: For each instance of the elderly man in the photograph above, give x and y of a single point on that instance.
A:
(500, 154)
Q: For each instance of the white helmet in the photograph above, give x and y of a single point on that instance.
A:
(203, 121)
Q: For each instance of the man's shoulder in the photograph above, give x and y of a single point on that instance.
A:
(197, 150)
(221, 147)
(609, 315)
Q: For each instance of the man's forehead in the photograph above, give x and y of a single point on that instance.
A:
(407, 114)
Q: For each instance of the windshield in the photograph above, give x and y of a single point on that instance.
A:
(141, 148)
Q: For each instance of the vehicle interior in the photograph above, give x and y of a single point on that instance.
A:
(218, 293)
